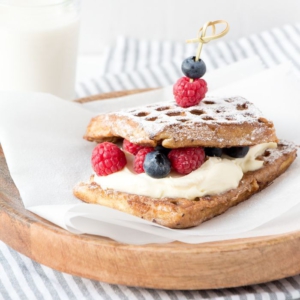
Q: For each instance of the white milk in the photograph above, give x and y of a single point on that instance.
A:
(38, 46)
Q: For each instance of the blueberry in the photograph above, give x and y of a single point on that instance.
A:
(193, 69)
(213, 151)
(162, 149)
(157, 165)
(236, 152)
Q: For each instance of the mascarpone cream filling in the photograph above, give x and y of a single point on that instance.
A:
(217, 175)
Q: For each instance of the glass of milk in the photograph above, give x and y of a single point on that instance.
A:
(38, 46)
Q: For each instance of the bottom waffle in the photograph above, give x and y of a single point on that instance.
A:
(184, 213)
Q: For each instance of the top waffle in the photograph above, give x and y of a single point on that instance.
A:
(215, 122)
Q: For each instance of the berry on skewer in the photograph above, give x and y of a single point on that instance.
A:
(190, 90)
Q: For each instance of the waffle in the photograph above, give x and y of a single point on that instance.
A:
(215, 122)
(184, 213)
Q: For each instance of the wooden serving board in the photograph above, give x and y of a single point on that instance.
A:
(161, 266)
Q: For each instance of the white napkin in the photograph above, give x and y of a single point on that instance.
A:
(41, 137)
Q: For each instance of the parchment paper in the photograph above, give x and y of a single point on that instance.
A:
(41, 136)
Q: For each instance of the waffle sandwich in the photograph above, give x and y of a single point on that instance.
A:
(215, 123)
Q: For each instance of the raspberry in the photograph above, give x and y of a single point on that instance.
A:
(130, 147)
(107, 158)
(140, 158)
(186, 160)
(189, 93)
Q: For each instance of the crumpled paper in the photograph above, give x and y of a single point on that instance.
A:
(41, 136)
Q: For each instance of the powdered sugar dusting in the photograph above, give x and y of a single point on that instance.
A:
(211, 110)
(284, 148)
(214, 122)
(208, 114)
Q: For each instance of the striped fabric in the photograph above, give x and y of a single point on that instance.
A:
(139, 64)
(22, 278)
(135, 63)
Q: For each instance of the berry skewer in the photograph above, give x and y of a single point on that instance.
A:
(191, 89)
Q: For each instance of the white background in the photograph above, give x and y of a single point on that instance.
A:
(104, 20)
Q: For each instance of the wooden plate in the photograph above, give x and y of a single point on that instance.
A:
(162, 266)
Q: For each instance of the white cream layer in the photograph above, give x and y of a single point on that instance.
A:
(215, 176)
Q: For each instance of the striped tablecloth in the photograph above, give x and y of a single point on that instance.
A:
(133, 64)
